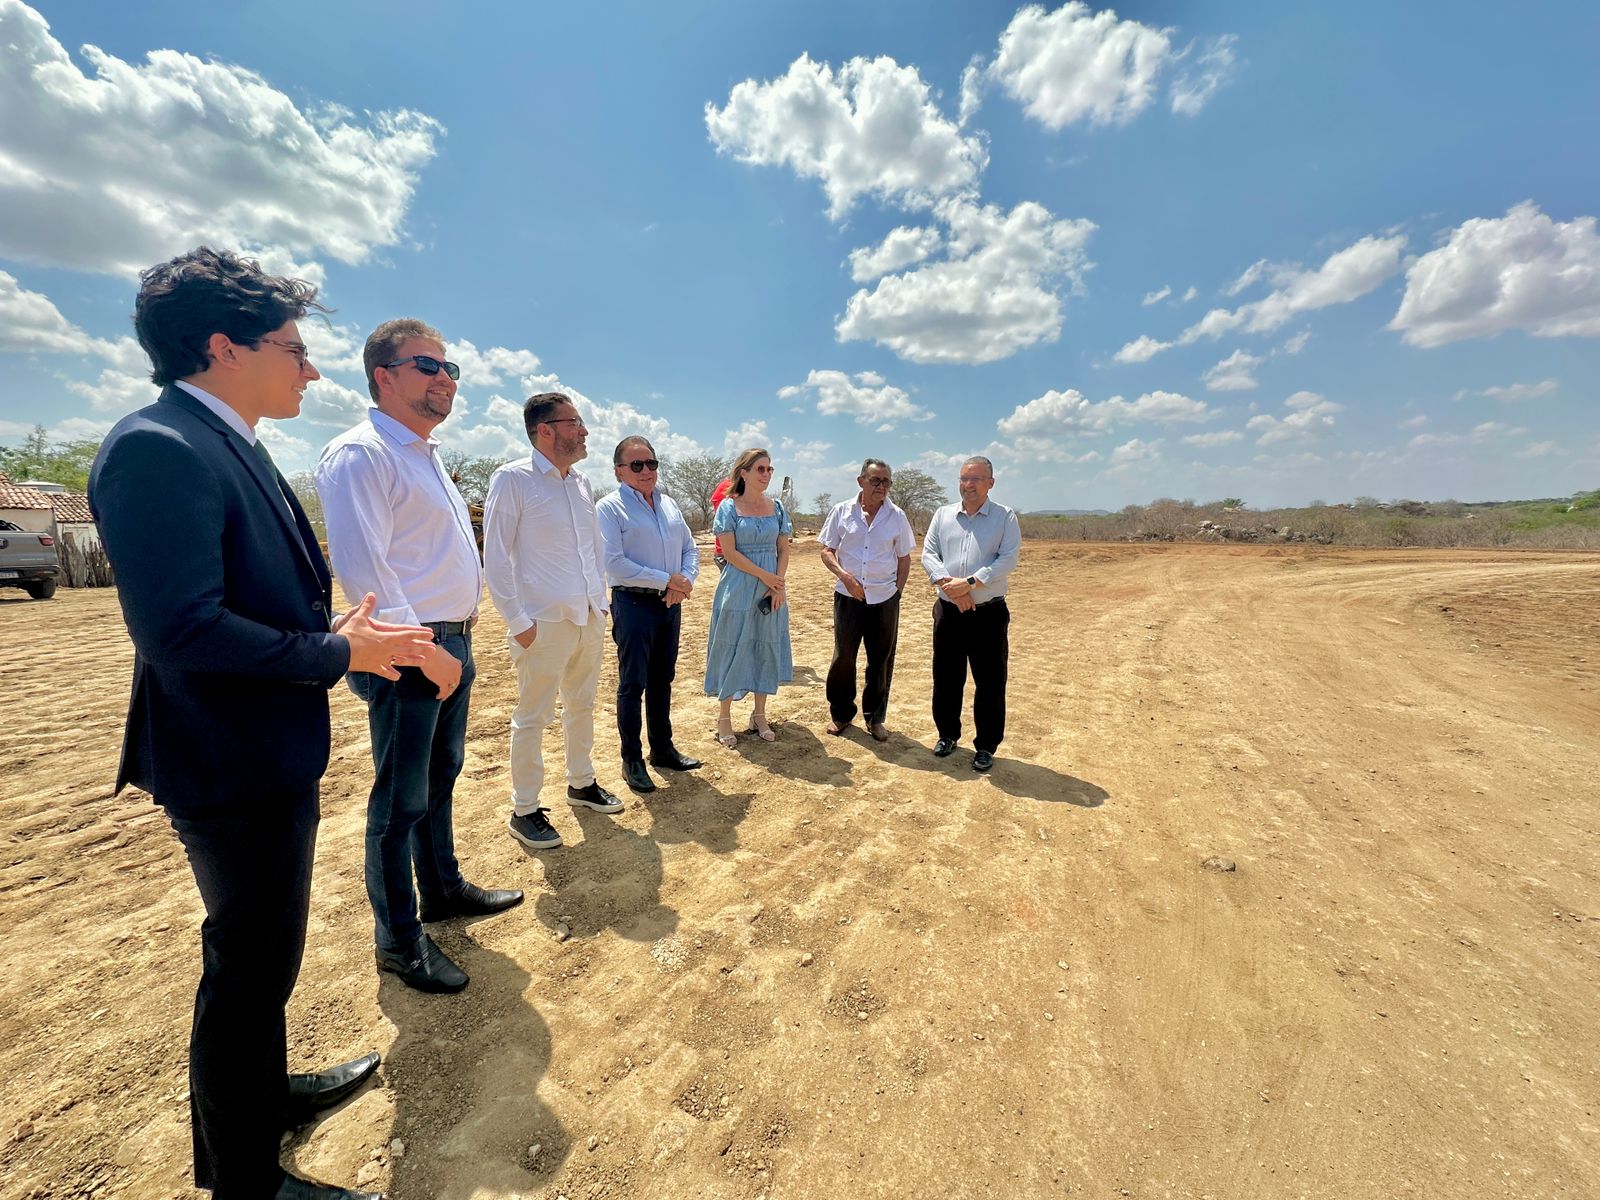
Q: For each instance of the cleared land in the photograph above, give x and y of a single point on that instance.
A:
(1019, 985)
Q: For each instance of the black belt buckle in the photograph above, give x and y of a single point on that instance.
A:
(444, 629)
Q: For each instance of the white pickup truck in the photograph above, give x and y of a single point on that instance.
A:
(28, 561)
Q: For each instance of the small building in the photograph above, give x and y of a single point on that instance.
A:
(26, 507)
(42, 507)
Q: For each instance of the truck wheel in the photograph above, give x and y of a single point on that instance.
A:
(42, 589)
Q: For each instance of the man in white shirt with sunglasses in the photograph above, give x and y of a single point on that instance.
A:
(398, 527)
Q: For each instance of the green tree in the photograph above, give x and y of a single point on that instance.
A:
(39, 458)
(918, 493)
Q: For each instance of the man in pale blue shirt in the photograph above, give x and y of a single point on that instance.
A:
(651, 565)
(969, 552)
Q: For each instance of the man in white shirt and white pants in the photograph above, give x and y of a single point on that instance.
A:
(866, 545)
(398, 528)
(546, 568)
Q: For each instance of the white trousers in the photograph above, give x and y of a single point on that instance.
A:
(564, 660)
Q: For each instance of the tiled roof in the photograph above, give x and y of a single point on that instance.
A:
(72, 508)
(12, 496)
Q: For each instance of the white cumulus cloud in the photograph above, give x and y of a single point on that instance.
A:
(1073, 64)
(1493, 274)
(992, 294)
(1142, 349)
(1070, 414)
(1157, 296)
(867, 398)
(869, 128)
(902, 247)
(1310, 416)
(1236, 373)
(115, 170)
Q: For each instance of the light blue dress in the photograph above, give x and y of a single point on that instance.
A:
(748, 650)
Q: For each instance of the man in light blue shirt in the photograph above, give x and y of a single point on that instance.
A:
(651, 563)
(969, 553)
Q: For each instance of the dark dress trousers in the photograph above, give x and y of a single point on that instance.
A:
(227, 600)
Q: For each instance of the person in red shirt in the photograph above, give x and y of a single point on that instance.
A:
(718, 495)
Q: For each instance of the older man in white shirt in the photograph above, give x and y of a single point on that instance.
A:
(545, 562)
(866, 545)
(398, 528)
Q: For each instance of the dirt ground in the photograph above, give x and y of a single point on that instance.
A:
(829, 968)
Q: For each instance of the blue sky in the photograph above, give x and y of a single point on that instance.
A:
(1271, 251)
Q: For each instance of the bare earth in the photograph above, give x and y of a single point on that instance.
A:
(1019, 985)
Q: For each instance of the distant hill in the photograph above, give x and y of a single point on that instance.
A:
(1068, 512)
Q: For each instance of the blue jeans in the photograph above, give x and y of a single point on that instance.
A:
(418, 747)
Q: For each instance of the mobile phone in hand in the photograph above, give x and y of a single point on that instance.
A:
(765, 604)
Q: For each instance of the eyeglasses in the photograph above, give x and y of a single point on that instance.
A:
(643, 464)
(427, 365)
(878, 481)
(298, 349)
(578, 421)
(766, 470)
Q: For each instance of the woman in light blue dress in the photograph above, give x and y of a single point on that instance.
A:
(747, 650)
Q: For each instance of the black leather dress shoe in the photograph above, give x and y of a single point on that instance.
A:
(295, 1188)
(311, 1094)
(425, 967)
(944, 748)
(671, 760)
(472, 901)
(982, 760)
(593, 796)
(635, 775)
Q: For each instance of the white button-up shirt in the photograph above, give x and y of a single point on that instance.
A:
(869, 550)
(541, 545)
(397, 525)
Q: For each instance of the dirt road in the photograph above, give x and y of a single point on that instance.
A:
(825, 967)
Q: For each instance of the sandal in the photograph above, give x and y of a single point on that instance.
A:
(759, 727)
(725, 733)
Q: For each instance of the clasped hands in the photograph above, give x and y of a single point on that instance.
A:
(382, 647)
(957, 591)
(679, 588)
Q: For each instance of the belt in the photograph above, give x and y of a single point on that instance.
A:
(658, 593)
(979, 604)
(450, 628)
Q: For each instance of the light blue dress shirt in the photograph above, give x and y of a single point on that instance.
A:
(984, 545)
(644, 546)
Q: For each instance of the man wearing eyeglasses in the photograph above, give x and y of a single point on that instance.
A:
(544, 558)
(866, 546)
(969, 552)
(228, 600)
(398, 527)
(651, 563)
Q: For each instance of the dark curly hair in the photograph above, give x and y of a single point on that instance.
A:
(183, 302)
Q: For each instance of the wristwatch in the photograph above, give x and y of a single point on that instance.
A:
(972, 581)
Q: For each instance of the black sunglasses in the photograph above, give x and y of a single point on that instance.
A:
(644, 464)
(427, 365)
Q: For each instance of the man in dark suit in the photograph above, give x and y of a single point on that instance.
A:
(228, 602)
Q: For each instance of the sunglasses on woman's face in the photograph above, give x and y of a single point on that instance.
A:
(643, 464)
(427, 365)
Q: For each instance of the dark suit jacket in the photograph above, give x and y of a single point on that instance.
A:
(227, 598)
